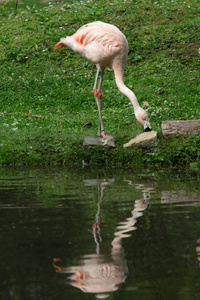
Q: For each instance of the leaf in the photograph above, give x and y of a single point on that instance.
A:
(145, 103)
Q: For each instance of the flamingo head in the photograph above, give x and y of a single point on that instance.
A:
(142, 118)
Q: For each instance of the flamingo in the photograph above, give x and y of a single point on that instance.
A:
(106, 46)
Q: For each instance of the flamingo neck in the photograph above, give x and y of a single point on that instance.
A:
(119, 78)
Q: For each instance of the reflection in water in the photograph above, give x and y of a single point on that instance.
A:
(100, 273)
(55, 213)
(198, 250)
(182, 198)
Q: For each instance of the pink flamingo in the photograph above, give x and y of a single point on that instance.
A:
(106, 46)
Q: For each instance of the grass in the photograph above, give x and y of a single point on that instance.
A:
(46, 96)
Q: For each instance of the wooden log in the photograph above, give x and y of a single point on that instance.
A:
(98, 141)
(144, 140)
(183, 127)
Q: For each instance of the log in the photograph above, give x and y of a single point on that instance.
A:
(144, 140)
(98, 141)
(183, 127)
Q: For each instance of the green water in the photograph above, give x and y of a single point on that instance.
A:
(87, 234)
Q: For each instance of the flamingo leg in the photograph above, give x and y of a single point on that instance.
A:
(97, 95)
(100, 129)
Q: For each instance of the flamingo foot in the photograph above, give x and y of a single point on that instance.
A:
(105, 135)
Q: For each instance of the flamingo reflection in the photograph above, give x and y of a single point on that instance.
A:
(99, 273)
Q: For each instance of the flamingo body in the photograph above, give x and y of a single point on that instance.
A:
(106, 46)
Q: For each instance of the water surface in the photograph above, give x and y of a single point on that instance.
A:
(86, 234)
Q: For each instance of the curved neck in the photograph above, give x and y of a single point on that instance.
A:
(119, 78)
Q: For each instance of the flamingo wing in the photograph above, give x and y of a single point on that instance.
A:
(100, 43)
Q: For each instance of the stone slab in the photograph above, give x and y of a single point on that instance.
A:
(144, 140)
(98, 141)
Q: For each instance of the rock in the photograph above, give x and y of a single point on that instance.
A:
(98, 141)
(144, 140)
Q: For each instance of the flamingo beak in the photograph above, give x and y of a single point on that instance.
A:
(58, 45)
(147, 126)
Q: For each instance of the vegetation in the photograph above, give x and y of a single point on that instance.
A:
(46, 96)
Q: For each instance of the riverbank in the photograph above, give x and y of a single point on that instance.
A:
(46, 97)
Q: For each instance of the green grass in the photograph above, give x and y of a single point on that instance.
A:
(46, 96)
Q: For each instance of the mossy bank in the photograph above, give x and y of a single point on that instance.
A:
(46, 97)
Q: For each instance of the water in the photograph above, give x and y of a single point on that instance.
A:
(87, 234)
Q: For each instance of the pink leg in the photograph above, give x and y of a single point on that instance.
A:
(97, 94)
